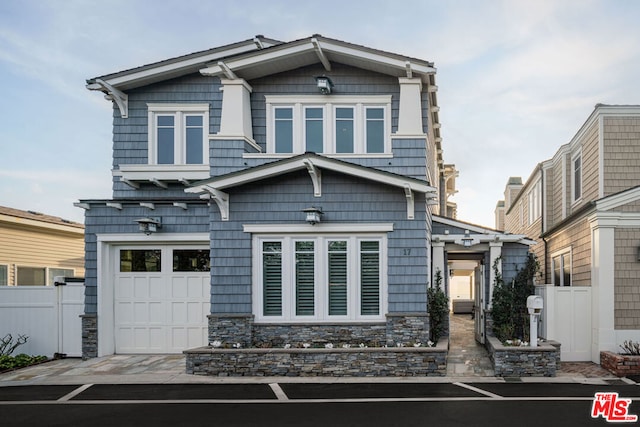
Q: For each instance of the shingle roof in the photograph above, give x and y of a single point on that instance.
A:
(37, 216)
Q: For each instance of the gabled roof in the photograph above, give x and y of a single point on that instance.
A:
(179, 66)
(309, 161)
(310, 50)
(480, 234)
(313, 164)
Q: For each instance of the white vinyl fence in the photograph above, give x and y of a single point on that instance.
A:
(48, 315)
(566, 318)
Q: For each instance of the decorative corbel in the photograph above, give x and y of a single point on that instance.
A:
(112, 94)
(316, 177)
(410, 201)
(222, 200)
(320, 53)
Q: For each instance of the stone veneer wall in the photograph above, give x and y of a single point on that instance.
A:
(541, 361)
(356, 362)
(399, 328)
(89, 336)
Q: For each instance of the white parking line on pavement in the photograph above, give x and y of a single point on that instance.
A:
(277, 390)
(479, 390)
(74, 393)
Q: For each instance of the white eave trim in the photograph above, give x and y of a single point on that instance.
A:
(159, 175)
(483, 238)
(120, 98)
(618, 200)
(318, 228)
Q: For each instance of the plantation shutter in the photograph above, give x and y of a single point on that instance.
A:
(272, 278)
(369, 278)
(337, 264)
(305, 279)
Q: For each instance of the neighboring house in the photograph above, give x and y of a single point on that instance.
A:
(35, 248)
(285, 191)
(583, 208)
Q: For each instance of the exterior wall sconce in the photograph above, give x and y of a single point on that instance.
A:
(324, 84)
(638, 253)
(149, 225)
(467, 240)
(312, 215)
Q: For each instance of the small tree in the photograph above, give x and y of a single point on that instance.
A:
(509, 312)
(438, 307)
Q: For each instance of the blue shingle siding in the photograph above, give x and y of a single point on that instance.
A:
(346, 80)
(344, 199)
(106, 220)
(130, 136)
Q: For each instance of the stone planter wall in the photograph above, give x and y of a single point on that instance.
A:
(340, 362)
(620, 365)
(541, 361)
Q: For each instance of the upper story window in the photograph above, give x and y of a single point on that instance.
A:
(178, 134)
(561, 265)
(576, 177)
(535, 202)
(340, 125)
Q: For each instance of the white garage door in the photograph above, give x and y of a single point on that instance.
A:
(161, 299)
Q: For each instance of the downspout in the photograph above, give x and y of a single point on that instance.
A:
(542, 207)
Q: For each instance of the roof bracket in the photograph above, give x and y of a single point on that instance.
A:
(409, 70)
(221, 199)
(158, 183)
(320, 53)
(410, 201)
(227, 71)
(112, 94)
(316, 177)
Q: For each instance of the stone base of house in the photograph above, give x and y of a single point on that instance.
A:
(620, 365)
(336, 362)
(89, 336)
(240, 330)
(511, 361)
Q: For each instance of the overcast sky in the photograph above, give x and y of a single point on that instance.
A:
(516, 78)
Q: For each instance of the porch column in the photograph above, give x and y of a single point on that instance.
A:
(438, 262)
(495, 251)
(602, 289)
(235, 120)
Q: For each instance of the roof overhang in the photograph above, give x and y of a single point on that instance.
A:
(304, 52)
(314, 164)
(477, 233)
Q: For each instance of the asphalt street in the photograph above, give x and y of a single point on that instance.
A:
(308, 404)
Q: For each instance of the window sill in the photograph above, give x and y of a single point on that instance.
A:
(160, 174)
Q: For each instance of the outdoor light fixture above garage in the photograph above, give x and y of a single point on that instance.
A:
(149, 225)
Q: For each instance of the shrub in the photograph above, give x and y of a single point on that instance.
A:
(630, 348)
(509, 312)
(438, 307)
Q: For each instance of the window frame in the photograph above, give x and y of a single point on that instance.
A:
(329, 105)
(180, 113)
(48, 278)
(321, 289)
(535, 202)
(4, 281)
(577, 184)
(560, 257)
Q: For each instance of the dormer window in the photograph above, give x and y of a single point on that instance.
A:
(338, 125)
(178, 134)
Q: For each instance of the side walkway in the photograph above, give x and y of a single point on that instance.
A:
(467, 358)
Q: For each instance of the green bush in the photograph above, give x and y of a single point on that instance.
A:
(438, 308)
(19, 361)
(509, 312)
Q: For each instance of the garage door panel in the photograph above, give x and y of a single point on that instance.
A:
(161, 312)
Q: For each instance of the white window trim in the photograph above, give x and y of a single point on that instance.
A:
(328, 103)
(555, 255)
(178, 110)
(47, 270)
(6, 279)
(535, 202)
(321, 297)
(575, 156)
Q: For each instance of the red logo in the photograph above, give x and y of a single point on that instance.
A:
(612, 408)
